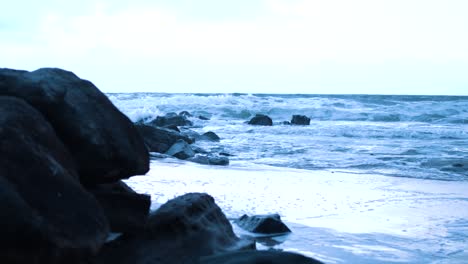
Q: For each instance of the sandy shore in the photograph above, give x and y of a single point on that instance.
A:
(335, 216)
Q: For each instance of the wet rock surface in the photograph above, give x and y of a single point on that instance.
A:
(300, 120)
(263, 224)
(261, 120)
(102, 141)
(49, 216)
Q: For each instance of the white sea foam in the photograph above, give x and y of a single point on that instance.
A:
(338, 217)
(405, 136)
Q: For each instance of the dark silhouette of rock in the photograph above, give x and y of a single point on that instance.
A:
(185, 114)
(160, 139)
(180, 231)
(181, 150)
(261, 120)
(47, 215)
(203, 118)
(264, 224)
(171, 119)
(103, 142)
(126, 210)
(300, 120)
(258, 257)
(286, 123)
(210, 136)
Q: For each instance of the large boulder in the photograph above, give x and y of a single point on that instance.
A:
(258, 257)
(180, 231)
(261, 120)
(102, 141)
(47, 215)
(126, 210)
(264, 224)
(160, 139)
(300, 120)
(171, 119)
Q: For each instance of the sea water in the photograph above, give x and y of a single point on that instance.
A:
(372, 179)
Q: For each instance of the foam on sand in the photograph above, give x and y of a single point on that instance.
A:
(335, 216)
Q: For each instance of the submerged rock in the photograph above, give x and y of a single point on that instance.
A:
(300, 120)
(181, 150)
(180, 231)
(261, 120)
(102, 141)
(47, 215)
(160, 139)
(264, 224)
(126, 210)
(203, 118)
(258, 257)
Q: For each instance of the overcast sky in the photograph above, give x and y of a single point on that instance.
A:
(253, 46)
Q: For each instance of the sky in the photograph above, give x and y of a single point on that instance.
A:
(251, 46)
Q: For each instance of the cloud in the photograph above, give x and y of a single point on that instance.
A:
(292, 37)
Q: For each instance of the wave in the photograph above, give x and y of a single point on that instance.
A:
(425, 109)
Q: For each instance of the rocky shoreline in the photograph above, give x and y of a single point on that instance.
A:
(65, 149)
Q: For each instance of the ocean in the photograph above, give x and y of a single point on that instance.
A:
(372, 179)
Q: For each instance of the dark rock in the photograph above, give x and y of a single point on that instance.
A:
(223, 161)
(261, 120)
(181, 150)
(171, 119)
(47, 215)
(225, 154)
(209, 160)
(103, 142)
(211, 136)
(203, 117)
(286, 123)
(258, 257)
(126, 210)
(264, 224)
(160, 139)
(200, 159)
(180, 231)
(300, 120)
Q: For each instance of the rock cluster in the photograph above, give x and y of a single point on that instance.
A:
(64, 149)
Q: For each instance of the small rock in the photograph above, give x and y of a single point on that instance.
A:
(264, 224)
(171, 119)
(211, 136)
(181, 150)
(300, 120)
(222, 161)
(203, 117)
(261, 120)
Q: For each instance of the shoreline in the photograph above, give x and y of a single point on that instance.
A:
(393, 214)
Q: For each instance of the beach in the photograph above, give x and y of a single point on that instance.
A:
(335, 216)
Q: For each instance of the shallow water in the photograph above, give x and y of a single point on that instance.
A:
(337, 217)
